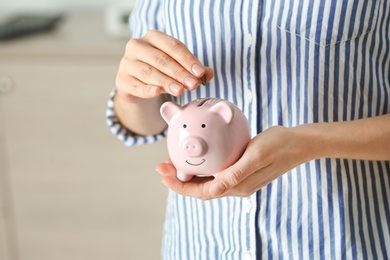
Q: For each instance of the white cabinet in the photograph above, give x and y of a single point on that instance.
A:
(68, 188)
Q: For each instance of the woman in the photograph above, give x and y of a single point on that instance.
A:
(312, 77)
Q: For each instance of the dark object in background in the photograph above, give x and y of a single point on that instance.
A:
(23, 25)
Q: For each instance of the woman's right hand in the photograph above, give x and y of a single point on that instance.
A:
(158, 63)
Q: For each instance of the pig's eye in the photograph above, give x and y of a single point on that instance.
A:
(203, 125)
(184, 126)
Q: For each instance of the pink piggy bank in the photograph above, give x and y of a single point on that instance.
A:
(205, 136)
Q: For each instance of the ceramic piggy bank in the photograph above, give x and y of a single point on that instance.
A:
(205, 136)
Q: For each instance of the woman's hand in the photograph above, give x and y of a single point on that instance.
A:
(158, 63)
(268, 156)
(279, 149)
(154, 64)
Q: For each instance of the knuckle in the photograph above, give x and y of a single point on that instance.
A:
(162, 82)
(161, 60)
(118, 79)
(130, 89)
(124, 88)
(136, 86)
(261, 153)
(122, 84)
(175, 45)
(235, 177)
(123, 64)
(124, 94)
(121, 92)
(179, 73)
(146, 73)
(132, 44)
(190, 58)
(118, 83)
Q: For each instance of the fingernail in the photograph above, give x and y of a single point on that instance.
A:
(190, 82)
(217, 188)
(204, 80)
(197, 70)
(175, 88)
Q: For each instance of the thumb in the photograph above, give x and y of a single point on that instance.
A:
(228, 179)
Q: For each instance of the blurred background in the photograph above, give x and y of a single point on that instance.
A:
(68, 188)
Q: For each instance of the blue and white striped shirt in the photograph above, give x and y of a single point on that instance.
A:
(288, 63)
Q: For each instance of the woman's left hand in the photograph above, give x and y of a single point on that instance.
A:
(269, 155)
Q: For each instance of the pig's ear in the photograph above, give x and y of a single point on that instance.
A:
(170, 109)
(225, 110)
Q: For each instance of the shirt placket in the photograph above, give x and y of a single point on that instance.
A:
(250, 36)
(250, 72)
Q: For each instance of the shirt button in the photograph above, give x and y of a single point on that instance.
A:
(248, 40)
(248, 206)
(247, 256)
(248, 95)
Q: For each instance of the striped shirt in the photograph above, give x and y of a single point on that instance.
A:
(287, 63)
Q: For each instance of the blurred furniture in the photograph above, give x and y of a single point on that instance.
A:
(68, 188)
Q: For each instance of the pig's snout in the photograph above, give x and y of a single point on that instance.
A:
(194, 146)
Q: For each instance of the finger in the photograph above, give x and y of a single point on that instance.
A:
(152, 76)
(194, 188)
(145, 50)
(177, 50)
(169, 161)
(153, 66)
(157, 60)
(208, 75)
(168, 66)
(131, 89)
(231, 177)
(166, 169)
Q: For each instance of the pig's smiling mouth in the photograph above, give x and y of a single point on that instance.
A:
(195, 164)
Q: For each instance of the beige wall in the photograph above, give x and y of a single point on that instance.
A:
(57, 4)
(68, 188)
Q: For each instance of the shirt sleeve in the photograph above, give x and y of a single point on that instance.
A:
(146, 15)
(122, 133)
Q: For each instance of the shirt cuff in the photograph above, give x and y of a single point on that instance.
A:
(122, 133)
